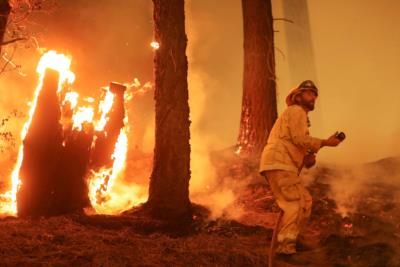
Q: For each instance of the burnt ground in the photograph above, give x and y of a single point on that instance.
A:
(368, 236)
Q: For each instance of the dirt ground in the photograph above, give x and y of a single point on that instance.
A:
(369, 236)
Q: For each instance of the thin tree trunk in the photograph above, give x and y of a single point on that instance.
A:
(259, 109)
(4, 12)
(169, 182)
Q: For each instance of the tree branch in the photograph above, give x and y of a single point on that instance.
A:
(8, 61)
(284, 19)
(12, 41)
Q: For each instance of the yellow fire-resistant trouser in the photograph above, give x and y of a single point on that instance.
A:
(295, 201)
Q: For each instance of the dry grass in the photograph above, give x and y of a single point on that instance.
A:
(123, 241)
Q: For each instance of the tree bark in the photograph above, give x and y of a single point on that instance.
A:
(259, 109)
(4, 12)
(169, 181)
(71, 191)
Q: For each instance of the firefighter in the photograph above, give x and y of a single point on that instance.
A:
(289, 148)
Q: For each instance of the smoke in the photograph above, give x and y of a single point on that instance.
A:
(109, 41)
(357, 76)
(346, 184)
(349, 184)
(204, 186)
(215, 63)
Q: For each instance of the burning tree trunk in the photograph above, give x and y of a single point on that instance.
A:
(259, 109)
(4, 12)
(107, 139)
(57, 153)
(55, 164)
(71, 188)
(42, 149)
(169, 182)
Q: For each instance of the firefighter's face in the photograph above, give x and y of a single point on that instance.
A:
(307, 99)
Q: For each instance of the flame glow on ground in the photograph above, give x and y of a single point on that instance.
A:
(107, 191)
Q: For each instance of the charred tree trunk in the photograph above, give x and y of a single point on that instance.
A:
(42, 150)
(55, 162)
(4, 12)
(72, 193)
(169, 182)
(259, 109)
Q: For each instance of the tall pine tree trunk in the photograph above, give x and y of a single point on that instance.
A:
(300, 54)
(169, 182)
(259, 109)
(4, 12)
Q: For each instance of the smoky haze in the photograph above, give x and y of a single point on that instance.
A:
(355, 57)
(357, 61)
(350, 53)
(108, 40)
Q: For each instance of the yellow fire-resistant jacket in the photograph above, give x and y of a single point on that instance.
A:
(289, 141)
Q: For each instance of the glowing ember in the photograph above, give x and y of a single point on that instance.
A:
(238, 150)
(155, 45)
(348, 225)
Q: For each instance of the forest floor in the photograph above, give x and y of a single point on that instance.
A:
(368, 236)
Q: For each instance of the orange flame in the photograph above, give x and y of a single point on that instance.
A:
(108, 193)
(102, 181)
(84, 114)
(72, 98)
(105, 107)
